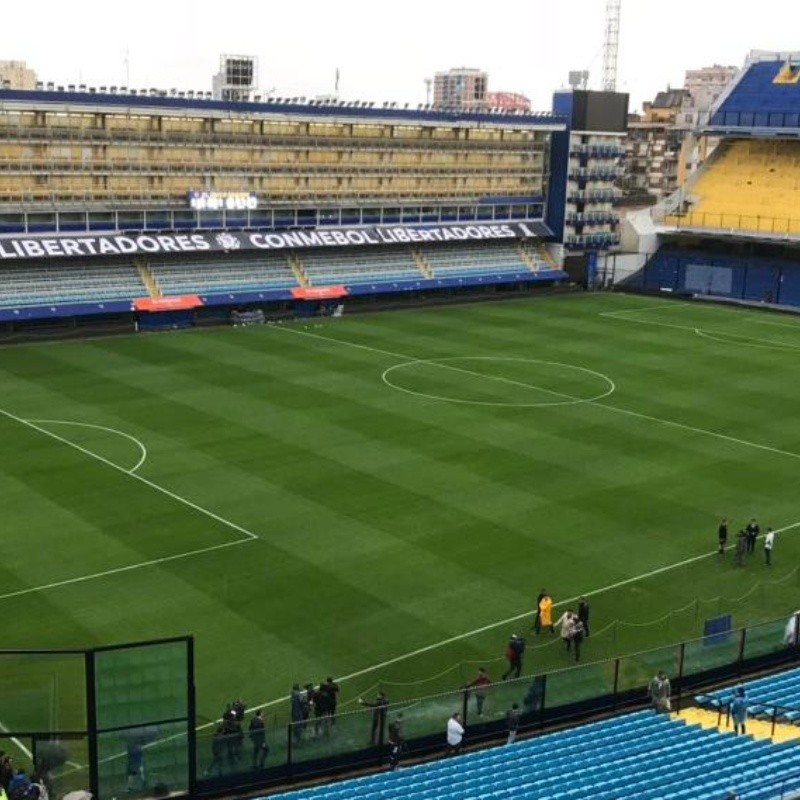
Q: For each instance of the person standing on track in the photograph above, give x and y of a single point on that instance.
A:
(514, 651)
(480, 686)
(769, 543)
(722, 536)
(537, 621)
(546, 612)
(583, 615)
(752, 534)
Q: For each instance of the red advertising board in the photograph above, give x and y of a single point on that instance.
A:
(319, 292)
(167, 303)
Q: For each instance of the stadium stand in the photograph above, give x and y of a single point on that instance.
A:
(642, 755)
(766, 95)
(763, 695)
(751, 185)
(357, 265)
(41, 285)
(224, 275)
(491, 258)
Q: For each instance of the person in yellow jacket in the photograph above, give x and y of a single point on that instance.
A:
(546, 612)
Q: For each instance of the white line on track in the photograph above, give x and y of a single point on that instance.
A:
(523, 615)
(142, 448)
(741, 339)
(516, 618)
(249, 536)
(616, 409)
(118, 570)
(566, 399)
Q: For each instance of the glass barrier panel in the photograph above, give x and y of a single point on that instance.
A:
(322, 737)
(427, 716)
(711, 652)
(636, 671)
(765, 639)
(139, 685)
(63, 763)
(579, 683)
(220, 753)
(146, 761)
(43, 692)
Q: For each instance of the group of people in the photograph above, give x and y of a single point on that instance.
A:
(227, 743)
(319, 701)
(745, 544)
(574, 625)
(16, 784)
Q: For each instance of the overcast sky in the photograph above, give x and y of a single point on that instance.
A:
(385, 50)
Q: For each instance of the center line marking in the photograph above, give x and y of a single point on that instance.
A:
(616, 409)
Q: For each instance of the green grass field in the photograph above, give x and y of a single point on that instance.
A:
(322, 498)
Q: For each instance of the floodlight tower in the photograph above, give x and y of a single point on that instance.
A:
(611, 46)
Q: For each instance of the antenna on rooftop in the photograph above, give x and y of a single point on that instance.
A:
(611, 45)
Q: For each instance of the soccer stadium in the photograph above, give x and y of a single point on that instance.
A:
(306, 400)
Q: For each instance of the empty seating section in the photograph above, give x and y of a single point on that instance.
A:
(360, 265)
(643, 755)
(38, 285)
(495, 258)
(759, 100)
(751, 185)
(269, 271)
(763, 694)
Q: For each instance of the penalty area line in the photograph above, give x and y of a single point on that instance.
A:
(135, 476)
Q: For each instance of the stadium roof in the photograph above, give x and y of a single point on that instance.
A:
(160, 102)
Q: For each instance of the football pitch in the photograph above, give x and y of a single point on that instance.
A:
(380, 498)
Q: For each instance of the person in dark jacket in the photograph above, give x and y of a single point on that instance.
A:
(331, 691)
(583, 615)
(298, 701)
(217, 751)
(379, 707)
(514, 652)
(258, 738)
(722, 536)
(752, 530)
(512, 722)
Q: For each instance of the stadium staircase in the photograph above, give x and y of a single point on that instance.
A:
(297, 268)
(148, 279)
(422, 263)
(757, 728)
(537, 257)
(642, 755)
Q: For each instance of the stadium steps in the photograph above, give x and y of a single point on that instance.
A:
(422, 263)
(148, 279)
(756, 728)
(296, 266)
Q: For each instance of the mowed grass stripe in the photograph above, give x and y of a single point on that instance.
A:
(236, 439)
(393, 522)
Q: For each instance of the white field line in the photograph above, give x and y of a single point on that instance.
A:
(142, 448)
(680, 425)
(249, 536)
(18, 743)
(746, 341)
(567, 399)
(516, 618)
(749, 341)
(118, 570)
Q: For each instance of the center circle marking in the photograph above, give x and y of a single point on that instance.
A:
(568, 401)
